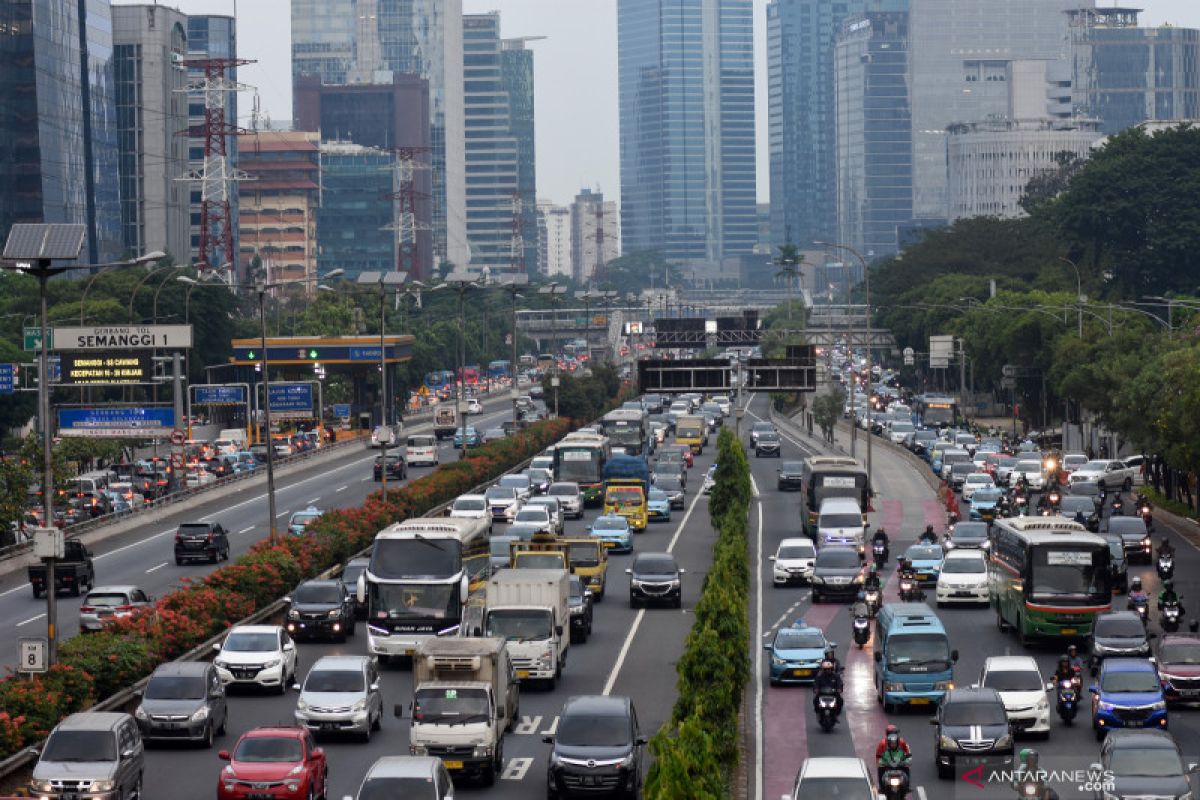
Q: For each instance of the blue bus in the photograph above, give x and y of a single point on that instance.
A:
(500, 368)
(914, 665)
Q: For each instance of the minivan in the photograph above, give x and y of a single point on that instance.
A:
(422, 449)
(595, 730)
(914, 665)
(89, 750)
(840, 521)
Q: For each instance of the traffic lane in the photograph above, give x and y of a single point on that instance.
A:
(590, 667)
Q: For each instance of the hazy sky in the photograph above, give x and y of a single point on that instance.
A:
(575, 75)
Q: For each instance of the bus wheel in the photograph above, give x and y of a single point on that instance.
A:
(1000, 624)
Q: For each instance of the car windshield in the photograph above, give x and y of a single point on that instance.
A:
(980, 479)
(837, 558)
(540, 475)
(351, 572)
(516, 481)
(988, 494)
(657, 496)
(450, 706)
(586, 730)
(334, 680)
(470, 504)
(762, 427)
(654, 565)
(834, 789)
(610, 524)
(268, 749)
(304, 517)
(668, 482)
(563, 490)
(1093, 466)
(326, 593)
(768, 436)
(1007, 461)
(799, 640)
(1120, 627)
(1180, 653)
(501, 493)
(585, 554)
(1085, 489)
(1147, 762)
(106, 599)
(918, 652)
(923, 552)
(499, 545)
(251, 643)
(176, 687)
(956, 713)
(1029, 466)
(962, 566)
(791, 467)
(1013, 681)
(796, 551)
(840, 521)
(528, 514)
(391, 788)
(80, 746)
(1069, 506)
(518, 625)
(970, 530)
(1141, 680)
(1126, 525)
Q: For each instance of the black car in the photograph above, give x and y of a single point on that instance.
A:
(1143, 763)
(1118, 566)
(320, 609)
(837, 572)
(967, 534)
(768, 443)
(673, 487)
(655, 577)
(1134, 535)
(597, 749)
(397, 470)
(1118, 633)
(201, 541)
(1087, 489)
(1075, 506)
(580, 600)
(355, 567)
(970, 724)
(791, 475)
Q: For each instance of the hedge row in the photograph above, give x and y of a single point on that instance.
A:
(696, 751)
(98, 665)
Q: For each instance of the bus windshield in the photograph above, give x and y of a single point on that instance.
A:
(416, 558)
(579, 465)
(1069, 574)
(399, 601)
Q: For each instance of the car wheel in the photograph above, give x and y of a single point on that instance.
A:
(178, 561)
(351, 627)
(633, 603)
(36, 593)
(224, 724)
(1099, 734)
(679, 601)
(208, 736)
(214, 556)
(945, 772)
(1125, 487)
(137, 789)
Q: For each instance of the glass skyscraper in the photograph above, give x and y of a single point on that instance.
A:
(517, 72)
(686, 85)
(58, 143)
(357, 210)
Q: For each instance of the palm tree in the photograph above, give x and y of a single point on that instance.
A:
(788, 261)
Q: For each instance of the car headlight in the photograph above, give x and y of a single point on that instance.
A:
(1004, 741)
(483, 751)
(893, 687)
(42, 786)
(200, 714)
(1103, 706)
(102, 786)
(1185, 796)
(361, 705)
(217, 662)
(292, 786)
(335, 613)
(776, 661)
(817, 580)
(1098, 648)
(301, 704)
(1161, 705)
(947, 743)
(274, 662)
(943, 686)
(293, 614)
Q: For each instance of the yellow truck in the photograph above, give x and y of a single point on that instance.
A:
(690, 431)
(586, 557)
(627, 498)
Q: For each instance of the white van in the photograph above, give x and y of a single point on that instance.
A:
(840, 522)
(421, 449)
(231, 437)
(93, 482)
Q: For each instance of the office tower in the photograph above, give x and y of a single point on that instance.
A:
(58, 146)
(686, 86)
(873, 131)
(1124, 75)
(959, 51)
(595, 235)
(149, 47)
(368, 41)
(554, 239)
(517, 72)
(357, 210)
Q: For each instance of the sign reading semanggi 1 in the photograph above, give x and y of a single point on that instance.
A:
(129, 337)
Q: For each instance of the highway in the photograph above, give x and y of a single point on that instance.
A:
(630, 653)
(144, 556)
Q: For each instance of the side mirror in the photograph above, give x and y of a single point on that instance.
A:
(628, 571)
(375, 686)
(289, 647)
(641, 740)
(1094, 689)
(223, 755)
(287, 599)
(933, 721)
(548, 739)
(682, 571)
(319, 752)
(139, 692)
(1050, 685)
(770, 558)
(954, 656)
(398, 710)
(767, 647)
(558, 630)
(217, 647)
(296, 687)
(878, 657)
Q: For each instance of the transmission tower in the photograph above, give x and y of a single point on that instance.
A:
(407, 228)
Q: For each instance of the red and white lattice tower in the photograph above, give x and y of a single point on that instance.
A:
(407, 227)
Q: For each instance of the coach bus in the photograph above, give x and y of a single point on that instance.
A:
(833, 476)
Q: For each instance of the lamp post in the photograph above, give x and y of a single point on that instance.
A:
(867, 324)
(384, 280)
(461, 282)
(1079, 299)
(140, 284)
(512, 284)
(555, 292)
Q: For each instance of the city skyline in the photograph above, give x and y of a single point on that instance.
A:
(567, 95)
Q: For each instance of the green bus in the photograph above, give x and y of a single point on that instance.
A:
(1048, 577)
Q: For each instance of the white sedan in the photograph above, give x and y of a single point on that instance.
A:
(963, 578)
(976, 481)
(1019, 683)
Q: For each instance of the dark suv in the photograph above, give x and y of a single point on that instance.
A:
(597, 749)
(320, 609)
(970, 724)
(580, 599)
(201, 540)
(655, 577)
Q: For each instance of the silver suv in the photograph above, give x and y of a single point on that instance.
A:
(341, 695)
(106, 603)
(93, 755)
(183, 700)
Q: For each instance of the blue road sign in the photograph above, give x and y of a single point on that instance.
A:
(341, 409)
(8, 377)
(219, 395)
(114, 421)
(292, 398)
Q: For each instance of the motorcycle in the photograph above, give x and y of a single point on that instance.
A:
(871, 596)
(1117, 507)
(1166, 566)
(1146, 514)
(1054, 498)
(1068, 698)
(894, 783)
(909, 590)
(827, 711)
(1141, 606)
(862, 631)
(1171, 612)
(880, 550)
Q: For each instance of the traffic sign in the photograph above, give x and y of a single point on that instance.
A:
(31, 655)
(117, 421)
(122, 337)
(178, 437)
(177, 460)
(214, 394)
(33, 338)
(8, 378)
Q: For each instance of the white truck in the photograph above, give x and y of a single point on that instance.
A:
(530, 609)
(445, 420)
(465, 698)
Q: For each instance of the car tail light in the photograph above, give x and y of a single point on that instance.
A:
(124, 608)
(87, 609)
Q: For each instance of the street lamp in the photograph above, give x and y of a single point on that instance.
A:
(156, 255)
(461, 282)
(1079, 298)
(511, 284)
(384, 280)
(555, 292)
(141, 283)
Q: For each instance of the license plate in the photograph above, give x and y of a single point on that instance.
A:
(409, 652)
(1189, 692)
(69, 796)
(963, 594)
(453, 764)
(919, 701)
(522, 673)
(801, 673)
(1069, 631)
(329, 726)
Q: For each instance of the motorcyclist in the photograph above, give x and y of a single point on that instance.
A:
(1064, 671)
(1076, 661)
(880, 536)
(1137, 595)
(1082, 520)
(1169, 595)
(892, 751)
(831, 657)
(872, 581)
(1166, 548)
(828, 681)
(859, 607)
(928, 536)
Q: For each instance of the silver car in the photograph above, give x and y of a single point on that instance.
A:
(183, 700)
(98, 756)
(569, 497)
(106, 603)
(341, 695)
(420, 777)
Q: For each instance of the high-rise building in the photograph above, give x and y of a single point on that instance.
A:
(382, 115)
(595, 234)
(554, 239)
(1125, 75)
(873, 131)
(58, 144)
(959, 51)
(686, 86)
(517, 71)
(801, 113)
(210, 36)
(149, 46)
(279, 205)
(354, 221)
(367, 41)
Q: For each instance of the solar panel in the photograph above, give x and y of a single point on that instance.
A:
(516, 279)
(368, 277)
(37, 241)
(394, 278)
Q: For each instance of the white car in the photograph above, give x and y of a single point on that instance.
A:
(470, 506)
(832, 777)
(723, 401)
(1108, 473)
(975, 481)
(474, 406)
(570, 498)
(262, 655)
(521, 483)
(503, 503)
(1019, 684)
(1031, 470)
(899, 430)
(535, 515)
(551, 504)
(963, 577)
(793, 561)
(1073, 461)
(421, 449)
(198, 477)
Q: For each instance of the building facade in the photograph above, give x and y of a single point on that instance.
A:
(149, 47)
(58, 132)
(595, 235)
(873, 131)
(278, 204)
(391, 116)
(367, 41)
(357, 212)
(554, 240)
(1125, 75)
(516, 63)
(686, 88)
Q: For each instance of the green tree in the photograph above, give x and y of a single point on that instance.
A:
(827, 409)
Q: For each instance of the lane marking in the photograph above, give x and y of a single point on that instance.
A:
(921, 793)
(758, 655)
(245, 530)
(156, 567)
(13, 590)
(528, 726)
(32, 619)
(516, 769)
(342, 488)
(283, 513)
(314, 501)
(132, 545)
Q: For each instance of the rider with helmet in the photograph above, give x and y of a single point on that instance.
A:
(1169, 595)
(828, 681)
(928, 536)
(892, 751)
(1137, 595)
(872, 580)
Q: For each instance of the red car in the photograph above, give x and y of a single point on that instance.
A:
(688, 456)
(1179, 668)
(269, 763)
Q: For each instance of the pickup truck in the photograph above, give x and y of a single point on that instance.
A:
(1108, 473)
(73, 571)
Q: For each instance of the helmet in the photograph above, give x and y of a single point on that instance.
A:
(1064, 659)
(893, 740)
(890, 729)
(862, 595)
(929, 529)
(826, 666)
(872, 569)
(1168, 586)
(1135, 583)
(1072, 649)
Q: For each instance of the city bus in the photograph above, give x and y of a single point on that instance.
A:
(936, 411)
(545, 362)
(422, 575)
(832, 476)
(580, 457)
(626, 429)
(1048, 577)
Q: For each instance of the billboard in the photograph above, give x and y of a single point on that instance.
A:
(218, 395)
(117, 421)
(292, 400)
(941, 351)
(105, 369)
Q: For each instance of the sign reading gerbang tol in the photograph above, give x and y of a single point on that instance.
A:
(123, 337)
